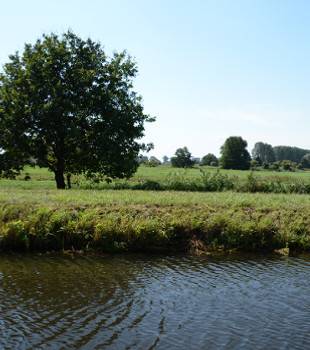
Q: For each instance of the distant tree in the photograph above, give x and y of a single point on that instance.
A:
(263, 153)
(153, 162)
(234, 154)
(196, 160)
(165, 160)
(305, 161)
(182, 158)
(209, 159)
(72, 108)
(142, 159)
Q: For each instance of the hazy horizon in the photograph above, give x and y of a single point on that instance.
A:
(207, 69)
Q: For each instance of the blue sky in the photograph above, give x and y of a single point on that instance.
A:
(207, 69)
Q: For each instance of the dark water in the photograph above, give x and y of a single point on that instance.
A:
(140, 302)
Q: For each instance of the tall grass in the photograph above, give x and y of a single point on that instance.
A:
(113, 221)
(215, 182)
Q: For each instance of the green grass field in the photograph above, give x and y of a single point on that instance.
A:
(163, 171)
(92, 198)
(174, 179)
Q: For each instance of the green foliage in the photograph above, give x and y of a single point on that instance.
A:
(216, 181)
(266, 166)
(234, 154)
(254, 164)
(182, 158)
(152, 162)
(166, 178)
(142, 159)
(66, 104)
(180, 181)
(165, 160)
(293, 154)
(305, 161)
(288, 165)
(263, 153)
(154, 223)
(276, 166)
(284, 165)
(209, 159)
(148, 185)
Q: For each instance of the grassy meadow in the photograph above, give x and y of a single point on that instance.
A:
(165, 178)
(36, 216)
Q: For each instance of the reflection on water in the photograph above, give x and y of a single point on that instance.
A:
(143, 302)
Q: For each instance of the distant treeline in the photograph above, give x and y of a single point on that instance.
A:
(234, 155)
(288, 156)
(294, 154)
(265, 153)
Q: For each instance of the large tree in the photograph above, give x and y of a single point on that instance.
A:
(234, 154)
(263, 152)
(67, 105)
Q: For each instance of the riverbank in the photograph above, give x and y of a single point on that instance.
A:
(146, 221)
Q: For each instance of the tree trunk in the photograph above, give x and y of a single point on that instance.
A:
(59, 167)
(69, 181)
(60, 180)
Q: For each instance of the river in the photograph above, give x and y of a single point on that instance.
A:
(154, 302)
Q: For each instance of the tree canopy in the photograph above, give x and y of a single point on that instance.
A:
(305, 161)
(165, 159)
(294, 154)
(182, 158)
(263, 153)
(68, 106)
(209, 159)
(234, 154)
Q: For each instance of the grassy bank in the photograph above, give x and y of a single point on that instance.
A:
(44, 220)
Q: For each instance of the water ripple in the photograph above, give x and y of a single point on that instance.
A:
(154, 302)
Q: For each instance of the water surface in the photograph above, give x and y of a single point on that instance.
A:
(154, 302)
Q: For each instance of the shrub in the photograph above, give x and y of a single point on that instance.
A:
(148, 185)
(288, 165)
(215, 181)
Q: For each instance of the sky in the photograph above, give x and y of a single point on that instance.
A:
(208, 69)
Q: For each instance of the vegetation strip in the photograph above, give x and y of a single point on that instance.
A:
(165, 178)
(116, 221)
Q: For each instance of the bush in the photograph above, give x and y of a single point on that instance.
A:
(148, 185)
(266, 166)
(254, 164)
(215, 181)
(288, 165)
